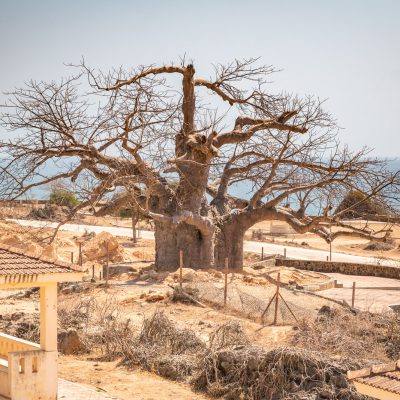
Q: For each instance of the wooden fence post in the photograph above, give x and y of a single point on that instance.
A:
(262, 253)
(80, 253)
(353, 295)
(284, 252)
(180, 268)
(93, 271)
(278, 284)
(226, 280)
(72, 257)
(108, 261)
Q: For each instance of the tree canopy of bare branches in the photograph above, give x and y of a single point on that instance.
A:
(177, 145)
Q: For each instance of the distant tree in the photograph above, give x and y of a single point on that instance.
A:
(146, 131)
(358, 205)
(63, 197)
(126, 213)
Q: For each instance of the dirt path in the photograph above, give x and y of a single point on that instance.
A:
(269, 248)
(122, 383)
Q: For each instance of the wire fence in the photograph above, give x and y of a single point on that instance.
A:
(268, 305)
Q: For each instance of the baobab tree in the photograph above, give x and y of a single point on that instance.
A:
(177, 146)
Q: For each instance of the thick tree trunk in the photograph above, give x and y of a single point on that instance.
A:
(192, 161)
(229, 244)
(167, 257)
(170, 239)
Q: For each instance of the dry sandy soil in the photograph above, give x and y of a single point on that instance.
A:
(354, 246)
(122, 383)
(135, 291)
(133, 303)
(347, 245)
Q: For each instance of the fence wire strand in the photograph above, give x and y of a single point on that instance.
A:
(251, 302)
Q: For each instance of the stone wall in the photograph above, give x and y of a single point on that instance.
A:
(342, 268)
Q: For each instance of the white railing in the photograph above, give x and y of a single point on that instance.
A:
(16, 357)
(10, 343)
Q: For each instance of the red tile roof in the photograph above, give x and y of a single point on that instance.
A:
(383, 376)
(14, 262)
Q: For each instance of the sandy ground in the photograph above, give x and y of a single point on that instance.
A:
(342, 244)
(269, 247)
(131, 290)
(122, 383)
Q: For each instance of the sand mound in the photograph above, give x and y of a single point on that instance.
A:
(191, 275)
(20, 242)
(294, 276)
(96, 248)
(50, 251)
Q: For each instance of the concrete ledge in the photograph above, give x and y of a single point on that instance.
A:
(342, 268)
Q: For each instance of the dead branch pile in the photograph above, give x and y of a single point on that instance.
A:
(50, 212)
(232, 369)
(163, 348)
(227, 335)
(252, 373)
(229, 367)
(84, 324)
(359, 336)
(100, 325)
(20, 324)
(381, 246)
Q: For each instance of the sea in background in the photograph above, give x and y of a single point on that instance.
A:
(242, 189)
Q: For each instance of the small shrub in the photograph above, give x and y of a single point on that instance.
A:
(62, 197)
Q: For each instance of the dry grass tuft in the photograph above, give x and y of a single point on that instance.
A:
(360, 336)
(227, 335)
(163, 348)
(100, 325)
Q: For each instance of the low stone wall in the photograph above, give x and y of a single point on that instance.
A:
(342, 268)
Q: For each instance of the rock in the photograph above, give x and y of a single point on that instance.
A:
(69, 342)
(30, 292)
(325, 310)
(121, 269)
(96, 248)
(89, 235)
(152, 296)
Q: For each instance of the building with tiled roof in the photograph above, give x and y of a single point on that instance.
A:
(29, 370)
(19, 269)
(379, 381)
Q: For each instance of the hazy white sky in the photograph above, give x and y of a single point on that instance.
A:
(346, 51)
